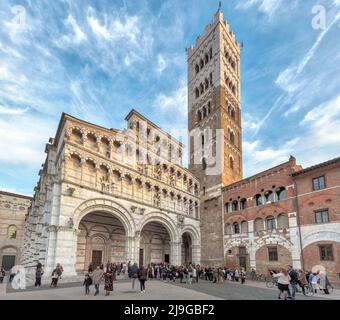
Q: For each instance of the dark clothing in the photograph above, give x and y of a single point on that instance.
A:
(142, 274)
(108, 281)
(142, 285)
(38, 275)
(87, 283)
(133, 273)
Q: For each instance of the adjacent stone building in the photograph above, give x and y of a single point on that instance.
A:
(13, 210)
(285, 216)
(318, 208)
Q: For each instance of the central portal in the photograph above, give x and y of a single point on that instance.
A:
(101, 239)
(154, 244)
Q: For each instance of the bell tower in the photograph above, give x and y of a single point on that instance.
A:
(214, 116)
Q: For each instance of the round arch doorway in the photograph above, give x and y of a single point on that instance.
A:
(154, 244)
(186, 248)
(101, 239)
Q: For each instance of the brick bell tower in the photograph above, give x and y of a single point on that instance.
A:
(214, 114)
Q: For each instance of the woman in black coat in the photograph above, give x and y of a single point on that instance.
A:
(142, 276)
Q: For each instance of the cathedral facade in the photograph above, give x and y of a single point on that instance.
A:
(106, 195)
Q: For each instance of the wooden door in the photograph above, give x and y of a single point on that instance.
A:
(96, 258)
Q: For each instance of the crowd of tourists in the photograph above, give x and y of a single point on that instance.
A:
(189, 274)
(287, 280)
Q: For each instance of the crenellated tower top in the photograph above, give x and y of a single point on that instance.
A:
(218, 19)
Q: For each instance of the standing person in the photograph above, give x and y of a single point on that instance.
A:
(133, 274)
(302, 281)
(87, 283)
(293, 281)
(237, 275)
(97, 278)
(108, 281)
(142, 276)
(323, 282)
(38, 274)
(195, 274)
(243, 275)
(283, 282)
(253, 274)
(2, 274)
(313, 280)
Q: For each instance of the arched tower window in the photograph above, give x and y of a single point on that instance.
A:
(12, 232)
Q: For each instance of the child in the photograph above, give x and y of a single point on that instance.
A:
(87, 283)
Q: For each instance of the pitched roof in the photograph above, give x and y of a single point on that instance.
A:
(315, 167)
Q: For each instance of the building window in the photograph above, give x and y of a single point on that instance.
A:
(272, 254)
(270, 221)
(258, 224)
(228, 207)
(12, 232)
(322, 216)
(236, 227)
(242, 251)
(243, 203)
(258, 200)
(211, 79)
(231, 163)
(319, 183)
(235, 206)
(269, 195)
(197, 68)
(326, 252)
(281, 193)
(197, 92)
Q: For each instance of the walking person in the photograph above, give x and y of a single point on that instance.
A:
(283, 282)
(97, 278)
(133, 274)
(243, 275)
(56, 274)
(323, 283)
(87, 282)
(142, 276)
(108, 281)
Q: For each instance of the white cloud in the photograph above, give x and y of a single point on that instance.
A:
(12, 111)
(78, 34)
(98, 29)
(175, 103)
(259, 157)
(268, 7)
(23, 139)
(323, 124)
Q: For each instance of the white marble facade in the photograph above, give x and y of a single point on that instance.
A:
(96, 196)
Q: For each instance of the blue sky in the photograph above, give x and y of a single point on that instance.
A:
(98, 59)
